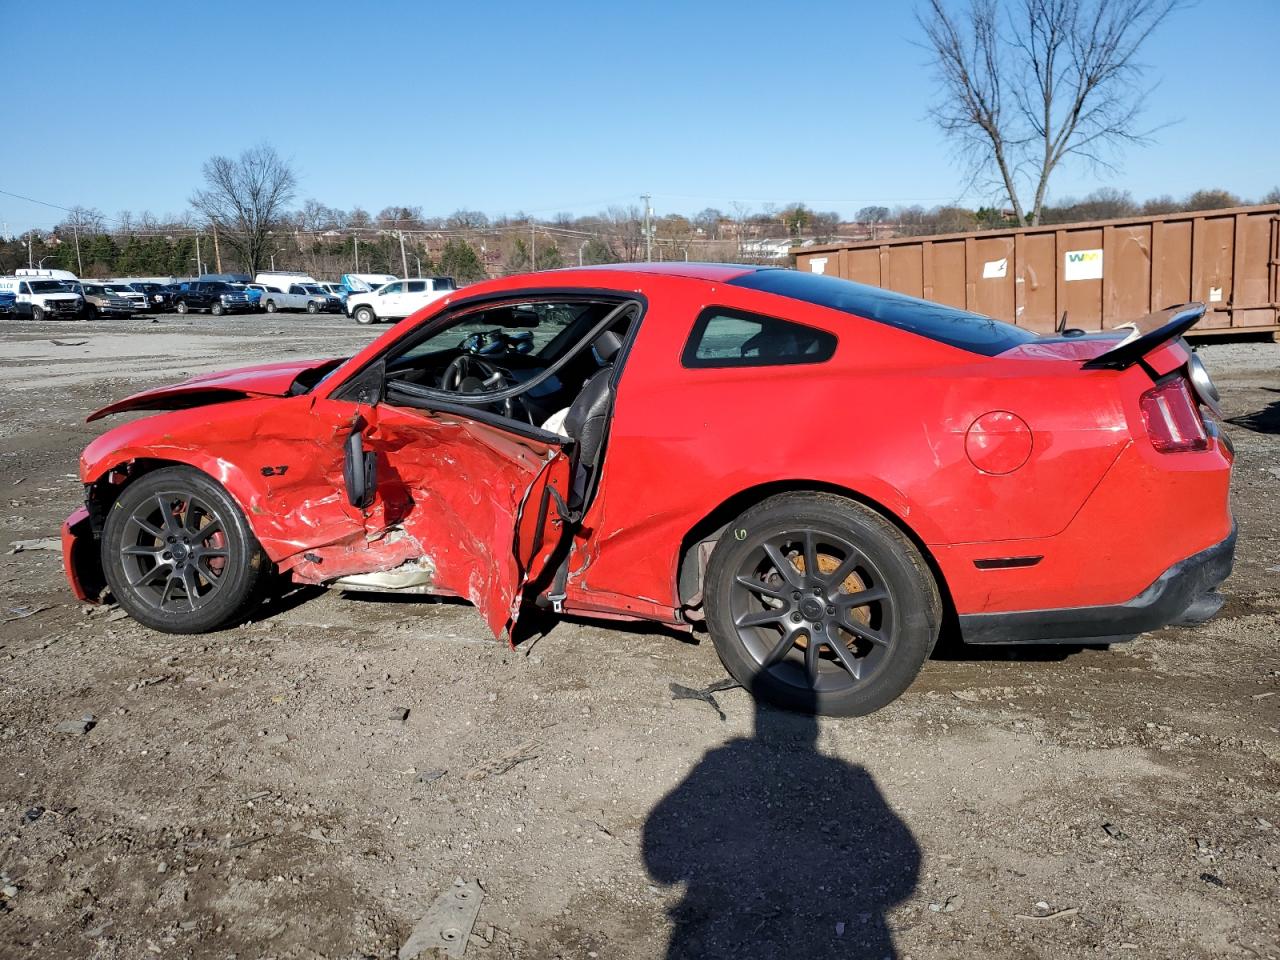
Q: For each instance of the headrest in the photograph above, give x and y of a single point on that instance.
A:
(607, 346)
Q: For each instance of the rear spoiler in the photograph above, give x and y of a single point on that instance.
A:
(1146, 334)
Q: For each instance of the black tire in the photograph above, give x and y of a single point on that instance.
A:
(762, 633)
(181, 307)
(365, 315)
(90, 312)
(312, 307)
(271, 306)
(217, 309)
(179, 555)
(37, 312)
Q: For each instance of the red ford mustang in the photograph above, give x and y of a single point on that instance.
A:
(823, 472)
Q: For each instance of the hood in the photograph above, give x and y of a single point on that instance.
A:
(264, 380)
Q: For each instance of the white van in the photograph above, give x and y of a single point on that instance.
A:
(282, 280)
(66, 276)
(44, 297)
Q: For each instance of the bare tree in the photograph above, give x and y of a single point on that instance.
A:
(243, 199)
(1028, 83)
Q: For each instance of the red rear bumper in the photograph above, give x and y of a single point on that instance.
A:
(1152, 517)
(81, 558)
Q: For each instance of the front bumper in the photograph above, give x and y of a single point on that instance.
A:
(81, 558)
(1185, 590)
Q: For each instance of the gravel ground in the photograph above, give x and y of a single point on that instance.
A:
(260, 792)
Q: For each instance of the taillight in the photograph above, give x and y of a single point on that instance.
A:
(1172, 418)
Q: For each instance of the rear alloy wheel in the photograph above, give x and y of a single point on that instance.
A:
(179, 555)
(271, 306)
(181, 307)
(818, 604)
(312, 307)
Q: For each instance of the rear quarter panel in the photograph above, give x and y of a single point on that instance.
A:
(885, 418)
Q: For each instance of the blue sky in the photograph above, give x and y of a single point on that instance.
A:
(547, 107)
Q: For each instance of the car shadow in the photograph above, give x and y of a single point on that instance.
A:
(781, 851)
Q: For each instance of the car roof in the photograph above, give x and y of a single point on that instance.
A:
(716, 272)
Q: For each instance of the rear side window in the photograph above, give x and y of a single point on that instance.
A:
(723, 337)
(416, 286)
(949, 325)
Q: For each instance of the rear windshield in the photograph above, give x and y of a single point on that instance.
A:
(957, 328)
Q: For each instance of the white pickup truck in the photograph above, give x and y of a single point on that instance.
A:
(299, 296)
(41, 298)
(399, 299)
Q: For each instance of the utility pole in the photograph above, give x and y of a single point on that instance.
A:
(533, 247)
(30, 261)
(582, 246)
(404, 260)
(199, 265)
(648, 230)
(355, 242)
(217, 254)
(75, 229)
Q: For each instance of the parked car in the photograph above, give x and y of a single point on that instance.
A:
(137, 298)
(821, 472)
(253, 291)
(397, 300)
(102, 300)
(365, 282)
(156, 293)
(335, 290)
(8, 302)
(216, 296)
(43, 299)
(298, 296)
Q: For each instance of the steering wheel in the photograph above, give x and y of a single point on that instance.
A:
(468, 374)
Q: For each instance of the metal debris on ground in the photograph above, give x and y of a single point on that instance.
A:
(447, 923)
(431, 776)
(44, 543)
(21, 613)
(1114, 832)
(681, 692)
(1055, 915)
(502, 764)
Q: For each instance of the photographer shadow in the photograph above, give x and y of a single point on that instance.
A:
(783, 852)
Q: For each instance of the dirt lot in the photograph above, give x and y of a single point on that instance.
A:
(255, 793)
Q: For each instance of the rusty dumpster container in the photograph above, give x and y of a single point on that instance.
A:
(1101, 274)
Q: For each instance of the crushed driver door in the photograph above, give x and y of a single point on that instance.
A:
(477, 504)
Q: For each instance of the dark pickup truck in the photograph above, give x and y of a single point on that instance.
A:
(215, 296)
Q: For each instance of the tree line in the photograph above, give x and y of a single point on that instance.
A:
(242, 219)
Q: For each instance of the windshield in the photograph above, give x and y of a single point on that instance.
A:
(936, 321)
(49, 286)
(312, 289)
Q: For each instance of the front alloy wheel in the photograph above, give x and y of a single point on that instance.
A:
(365, 315)
(178, 553)
(818, 604)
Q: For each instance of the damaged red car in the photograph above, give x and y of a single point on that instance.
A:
(825, 474)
